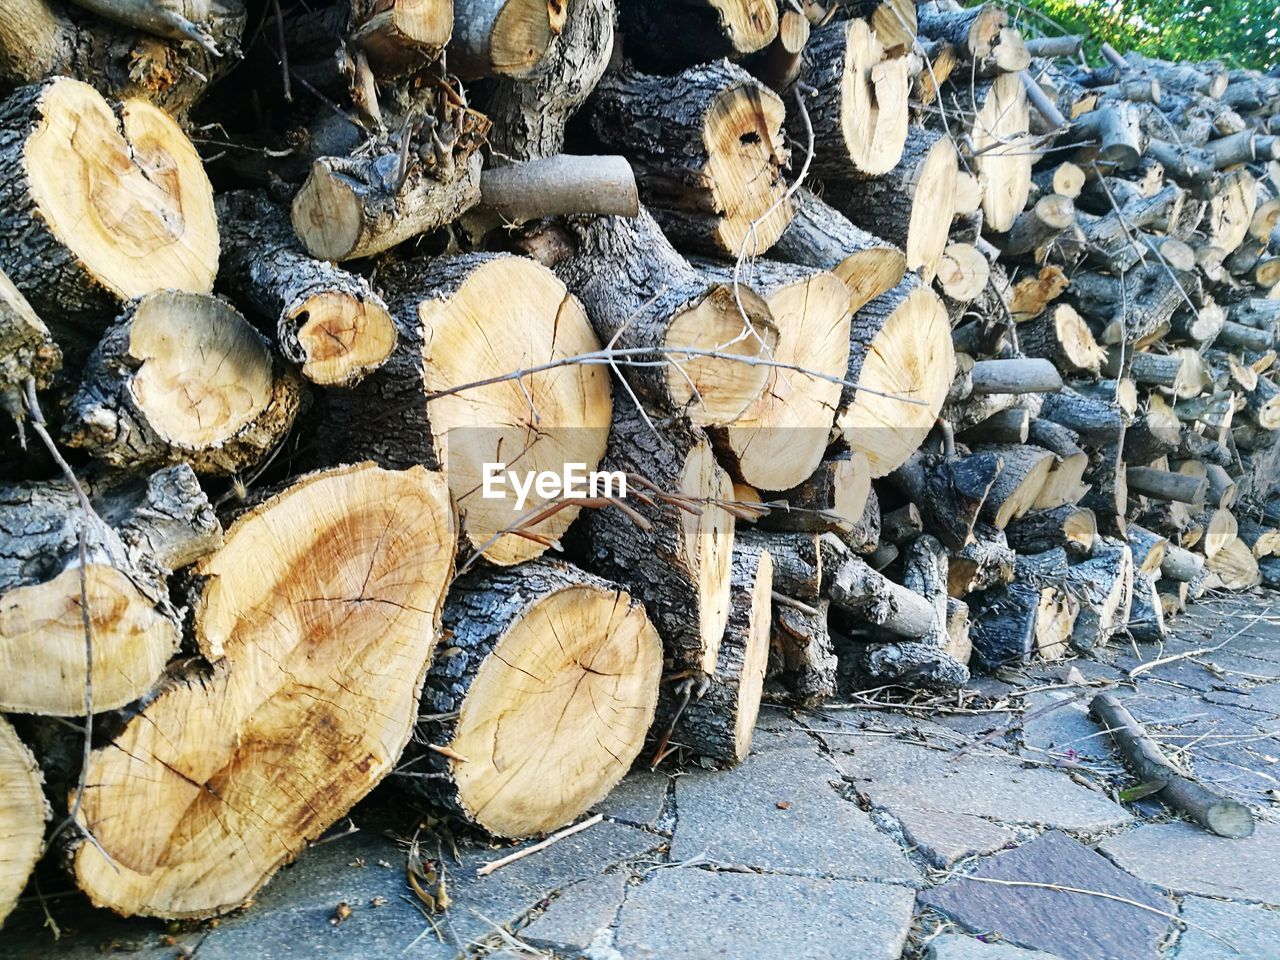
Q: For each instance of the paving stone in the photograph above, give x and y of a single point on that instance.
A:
(1249, 931)
(952, 946)
(749, 916)
(943, 838)
(291, 916)
(779, 811)
(1262, 698)
(1186, 859)
(1072, 926)
(1065, 727)
(577, 916)
(984, 784)
(637, 799)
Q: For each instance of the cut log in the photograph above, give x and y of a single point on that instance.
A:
(822, 237)
(352, 207)
(949, 491)
(900, 347)
(1041, 225)
(313, 593)
(859, 105)
(799, 566)
(778, 65)
(1146, 621)
(135, 628)
(1064, 483)
(506, 38)
(1235, 566)
(448, 396)
(101, 204)
(27, 349)
(24, 811)
(533, 651)
(806, 658)
(1098, 422)
(902, 525)
(963, 272)
(1148, 548)
(1262, 541)
(1003, 157)
(643, 296)
(1164, 485)
(1007, 426)
(874, 599)
(1010, 626)
(780, 438)
(1015, 376)
(981, 565)
(530, 114)
(520, 192)
(974, 31)
(1017, 487)
(183, 377)
(1181, 565)
(1104, 587)
(399, 36)
(680, 564)
(718, 724)
(1068, 526)
(707, 149)
(912, 204)
(675, 33)
(1141, 754)
(157, 62)
(328, 321)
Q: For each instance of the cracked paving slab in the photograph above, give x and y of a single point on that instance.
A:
(952, 946)
(742, 916)
(780, 811)
(1220, 930)
(1010, 895)
(1185, 859)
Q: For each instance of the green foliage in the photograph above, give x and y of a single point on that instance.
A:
(1240, 33)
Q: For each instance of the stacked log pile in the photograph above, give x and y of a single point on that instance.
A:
(884, 342)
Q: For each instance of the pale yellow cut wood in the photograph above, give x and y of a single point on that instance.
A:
(23, 814)
(127, 196)
(512, 314)
(875, 93)
(1004, 154)
(320, 613)
(1235, 566)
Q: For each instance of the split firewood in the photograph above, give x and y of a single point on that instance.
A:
(1030, 617)
(1103, 585)
(27, 349)
(1064, 483)
(1143, 756)
(102, 205)
(806, 658)
(986, 562)
(822, 237)
(328, 321)
(900, 348)
(313, 592)
(717, 723)
(833, 498)
(1146, 620)
(582, 655)
(1070, 527)
(24, 811)
(183, 377)
(858, 107)
(673, 552)
(1017, 486)
(710, 169)
(640, 294)
(778, 65)
(949, 491)
(449, 396)
(1234, 566)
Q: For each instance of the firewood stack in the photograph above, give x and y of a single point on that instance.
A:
(922, 348)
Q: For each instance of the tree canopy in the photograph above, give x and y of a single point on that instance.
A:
(1241, 33)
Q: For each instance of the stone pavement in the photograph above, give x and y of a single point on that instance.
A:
(990, 828)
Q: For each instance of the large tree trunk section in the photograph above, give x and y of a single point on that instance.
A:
(313, 594)
(675, 33)
(900, 347)
(171, 63)
(642, 295)
(23, 814)
(708, 152)
(681, 565)
(859, 109)
(719, 723)
(530, 115)
(506, 38)
(101, 205)
(779, 440)
(183, 377)
(477, 319)
(541, 701)
(912, 205)
(822, 237)
(328, 321)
